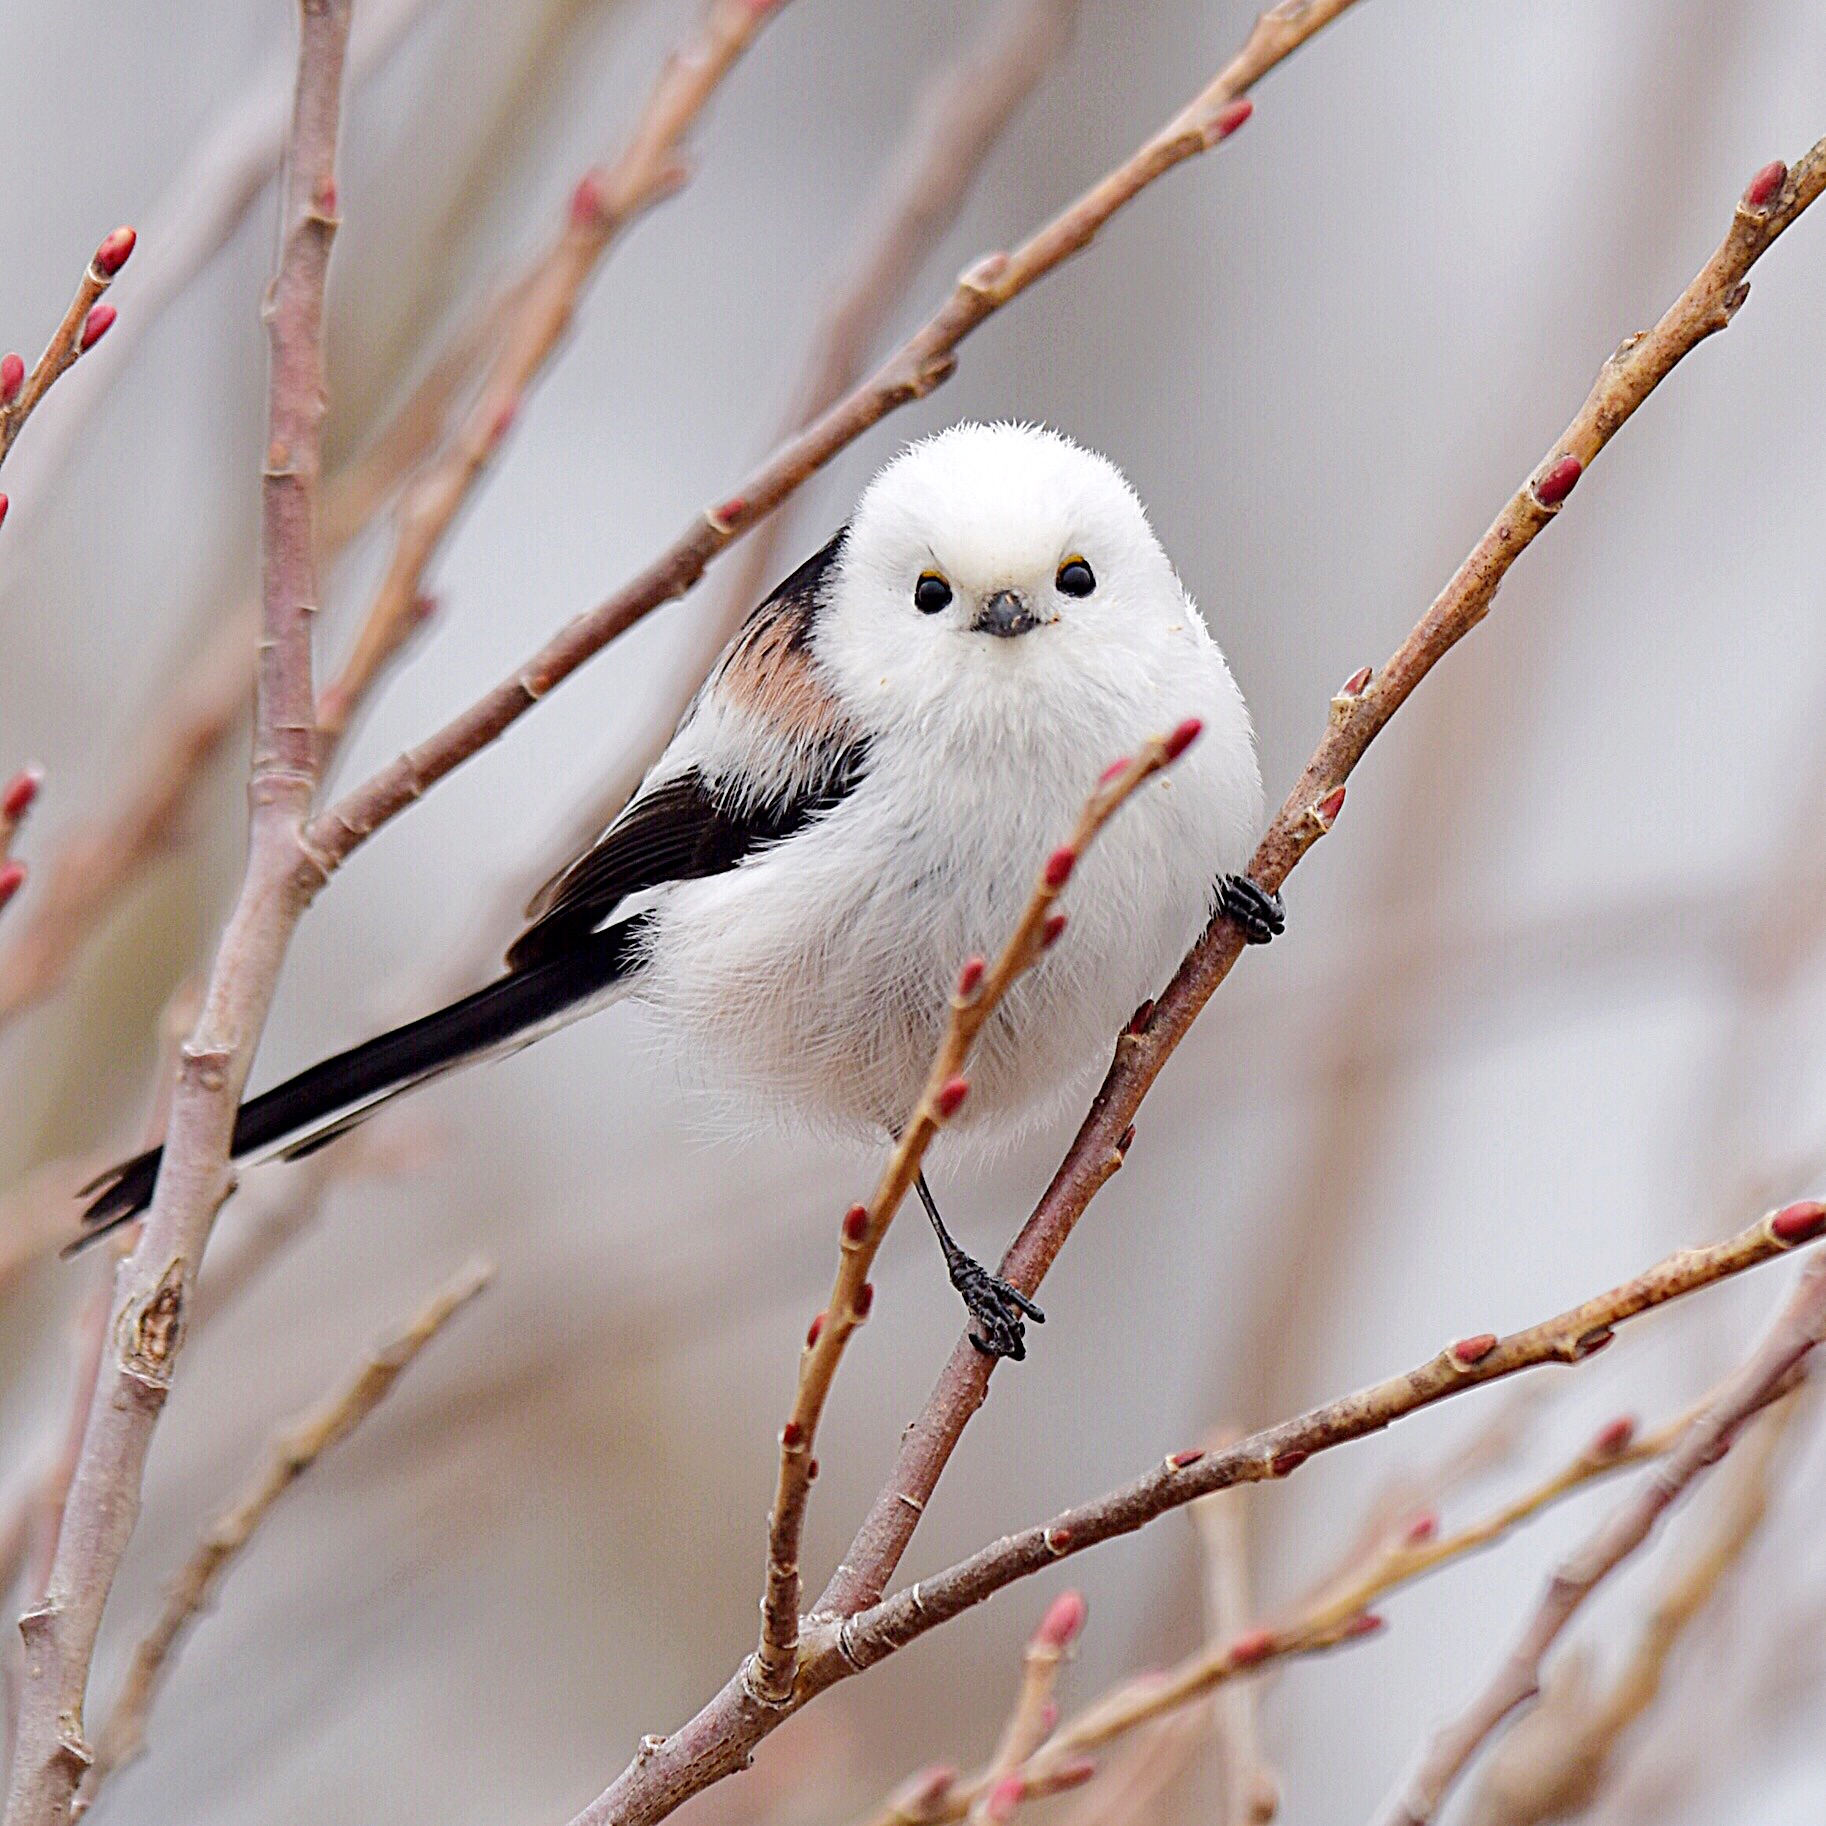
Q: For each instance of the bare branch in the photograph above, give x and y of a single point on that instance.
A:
(606, 202)
(1774, 199)
(1802, 1324)
(84, 324)
(980, 990)
(154, 1287)
(296, 1448)
(914, 370)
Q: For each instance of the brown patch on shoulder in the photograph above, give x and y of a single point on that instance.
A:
(770, 673)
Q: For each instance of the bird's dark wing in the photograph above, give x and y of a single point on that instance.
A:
(688, 826)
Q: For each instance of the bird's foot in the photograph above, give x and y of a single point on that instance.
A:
(1259, 913)
(999, 1309)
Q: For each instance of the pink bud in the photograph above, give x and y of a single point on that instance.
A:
(732, 510)
(1330, 806)
(12, 879)
(504, 418)
(1072, 1774)
(1614, 1438)
(1559, 481)
(96, 325)
(1004, 1798)
(951, 1096)
(1049, 933)
(1798, 1223)
(1766, 185)
(111, 256)
(1250, 1647)
(970, 978)
(812, 1331)
(1474, 1349)
(1364, 1623)
(586, 202)
(1421, 1529)
(12, 378)
(1232, 115)
(855, 1223)
(1288, 1462)
(1182, 737)
(1138, 1021)
(1059, 866)
(1358, 682)
(1058, 1540)
(21, 790)
(5, 503)
(865, 1298)
(792, 1436)
(1063, 1620)
(1177, 1461)
(1114, 769)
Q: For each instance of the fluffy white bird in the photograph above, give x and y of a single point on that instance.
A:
(856, 802)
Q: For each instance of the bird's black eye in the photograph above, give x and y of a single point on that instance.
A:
(1075, 578)
(930, 593)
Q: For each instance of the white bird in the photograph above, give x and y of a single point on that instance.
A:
(857, 801)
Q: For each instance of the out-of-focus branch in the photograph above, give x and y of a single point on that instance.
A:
(605, 203)
(922, 363)
(95, 863)
(15, 801)
(1556, 1761)
(957, 128)
(980, 990)
(200, 208)
(1249, 1794)
(1369, 698)
(1030, 1719)
(294, 1451)
(84, 324)
(155, 1285)
(1417, 1799)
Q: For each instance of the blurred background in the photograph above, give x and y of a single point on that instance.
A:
(1549, 1005)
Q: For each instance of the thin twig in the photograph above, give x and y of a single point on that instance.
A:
(84, 324)
(1774, 199)
(296, 1448)
(605, 203)
(1556, 1761)
(980, 991)
(1249, 1794)
(154, 1287)
(922, 363)
(1417, 1798)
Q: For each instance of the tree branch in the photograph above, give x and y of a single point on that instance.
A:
(1368, 700)
(914, 370)
(154, 1287)
(296, 1448)
(980, 991)
(1802, 1324)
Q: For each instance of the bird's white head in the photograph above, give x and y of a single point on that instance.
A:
(987, 551)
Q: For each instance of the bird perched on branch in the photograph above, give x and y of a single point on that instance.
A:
(855, 802)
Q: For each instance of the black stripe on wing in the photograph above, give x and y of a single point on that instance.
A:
(681, 831)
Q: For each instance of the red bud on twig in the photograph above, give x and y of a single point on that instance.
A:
(1177, 1461)
(1059, 866)
(1559, 481)
(1615, 1438)
(865, 1298)
(1421, 1529)
(1064, 1618)
(812, 1330)
(1766, 186)
(111, 256)
(21, 790)
(1364, 1623)
(12, 378)
(951, 1096)
(1183, 737)
(1358, 682)
(1232, 115)
(1114, 770)
(1250, 1647)
(96, 325)
(1475, 1349)
(970, 978)
(12, 879)
(855, 1223)
(792, 1435)
(1049, 933)
(1798, 1223)
(1288, 1462)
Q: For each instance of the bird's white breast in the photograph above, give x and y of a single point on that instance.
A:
(813, 979)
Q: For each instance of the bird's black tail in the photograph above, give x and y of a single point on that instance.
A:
(332, 1097)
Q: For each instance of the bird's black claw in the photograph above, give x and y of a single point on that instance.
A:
(998, 1308)
(1259, 913)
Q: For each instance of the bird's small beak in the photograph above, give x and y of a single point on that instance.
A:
(1005, 613)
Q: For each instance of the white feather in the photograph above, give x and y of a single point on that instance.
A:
(812, 980)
